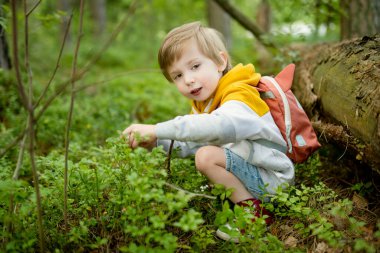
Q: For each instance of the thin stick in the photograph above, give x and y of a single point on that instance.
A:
(71, 110)
(192, 194)
(57, 63)
(20, 159)
(15, 176)
(13, 143)
(79, 74)
(32, 9)
(62, 86)
(32, 134)
(36, 181)
(20, 86)
(169, 157)
(27, 102)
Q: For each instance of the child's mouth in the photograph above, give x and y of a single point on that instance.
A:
(196, 92)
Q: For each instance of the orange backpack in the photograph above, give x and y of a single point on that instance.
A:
(289, 115)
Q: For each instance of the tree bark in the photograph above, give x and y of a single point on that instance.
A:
(220, 20)
(98, 14)
(264, 16)
(64, 5)
(339, 87)
(5, 61)
(359, 18)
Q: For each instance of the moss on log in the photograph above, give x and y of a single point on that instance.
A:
(340, 84)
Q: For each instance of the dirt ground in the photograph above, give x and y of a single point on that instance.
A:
(354, 180)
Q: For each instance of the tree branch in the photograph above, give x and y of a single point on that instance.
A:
(31, 133)
(246, 22)
(33, 8)
(20, 86)
(57, 63)
(78, 76)
(20, 158)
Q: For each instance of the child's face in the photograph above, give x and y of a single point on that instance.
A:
(195, 75)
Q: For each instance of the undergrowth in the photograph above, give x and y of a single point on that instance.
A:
(123, 200)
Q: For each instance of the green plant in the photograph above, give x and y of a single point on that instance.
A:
(363, 188)
(318, 212)
(124, 200)
(309, 172)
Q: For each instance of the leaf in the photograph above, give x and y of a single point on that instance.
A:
(291, 242)
(359, 201)
(322, 247)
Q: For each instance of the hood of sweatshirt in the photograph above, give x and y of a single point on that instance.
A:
(239, 85)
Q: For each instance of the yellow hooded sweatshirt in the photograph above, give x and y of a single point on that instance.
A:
(238, 84)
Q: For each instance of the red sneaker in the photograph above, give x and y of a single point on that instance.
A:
(258, 209)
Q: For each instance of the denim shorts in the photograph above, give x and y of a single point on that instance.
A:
(247, 173)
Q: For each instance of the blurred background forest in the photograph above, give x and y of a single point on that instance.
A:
(283, 24)
(73, 74)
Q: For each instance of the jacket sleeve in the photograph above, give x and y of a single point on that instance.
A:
(205, 128)
(232, 122)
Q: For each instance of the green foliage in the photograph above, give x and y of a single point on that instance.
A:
(255, 236)
(309, 172)
(318, 212)
(116, 196)
(119, 199)
(363, 188)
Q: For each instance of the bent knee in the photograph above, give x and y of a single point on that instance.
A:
(208, 156)
(202, 158)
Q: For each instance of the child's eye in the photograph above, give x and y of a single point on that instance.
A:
(195, 66)
(176, 77)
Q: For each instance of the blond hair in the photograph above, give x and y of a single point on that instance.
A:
(209, 41)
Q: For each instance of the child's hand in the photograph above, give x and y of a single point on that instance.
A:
(141, 135)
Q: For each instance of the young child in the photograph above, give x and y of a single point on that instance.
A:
(230, 129)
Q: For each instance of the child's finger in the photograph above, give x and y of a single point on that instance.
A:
(127, 131)
(134, 144)
(131, 138)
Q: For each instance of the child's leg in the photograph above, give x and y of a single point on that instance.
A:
(211, 162)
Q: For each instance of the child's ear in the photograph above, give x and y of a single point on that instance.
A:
(224, 58)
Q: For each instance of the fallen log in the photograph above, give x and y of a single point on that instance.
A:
(339, 87)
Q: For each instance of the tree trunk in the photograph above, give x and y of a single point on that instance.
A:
(64, 5)
(5, 61)
(220, 20)
(340, 84)
(98, 14)
(359, 18)
(264, 16)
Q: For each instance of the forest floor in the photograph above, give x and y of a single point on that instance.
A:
(353, 180)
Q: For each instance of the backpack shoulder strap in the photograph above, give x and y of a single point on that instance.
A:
(287, 115)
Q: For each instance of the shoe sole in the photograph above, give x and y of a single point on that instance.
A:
(226, 237)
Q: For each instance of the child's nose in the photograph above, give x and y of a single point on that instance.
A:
(189, 79)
